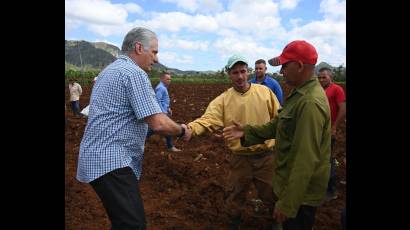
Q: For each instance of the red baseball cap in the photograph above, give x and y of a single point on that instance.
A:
(298, 50)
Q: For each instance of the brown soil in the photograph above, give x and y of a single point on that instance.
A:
(178, 192)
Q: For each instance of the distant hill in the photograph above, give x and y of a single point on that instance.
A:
(83, 54)
(113, 50)
(97, 55)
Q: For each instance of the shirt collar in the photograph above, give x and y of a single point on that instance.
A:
(162, 84)
(305, 87)
(126, 58)
(255, 79)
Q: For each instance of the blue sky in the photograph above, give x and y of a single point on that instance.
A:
(202, 34)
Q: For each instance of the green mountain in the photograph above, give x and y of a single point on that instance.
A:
(97, 55)
(85, 55)
(113, 50)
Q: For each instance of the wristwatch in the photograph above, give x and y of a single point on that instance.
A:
(182, 132)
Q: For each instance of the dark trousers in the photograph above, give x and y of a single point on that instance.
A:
(168, 138)
(331, 186)
(120, 195)
(304, 220)
(343, 219)
(75, 107)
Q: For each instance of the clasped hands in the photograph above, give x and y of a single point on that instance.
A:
(229, 133)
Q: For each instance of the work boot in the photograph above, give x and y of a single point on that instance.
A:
(235, 223)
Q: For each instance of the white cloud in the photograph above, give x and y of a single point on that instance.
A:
(99, 12)
(324, 29)
(173, 42)
(259, 18)
(132, 7)
(199, 6)
(71, 24)
(250, 27)
(333, 9)
(255, 8)
(108, 30)
(170, 58)
(203, 23)
(177, 21)
(190, 5)
(295, 21)
(328, 36)
(245, 46)
(170, 21)
(288, 4)
(208, 6)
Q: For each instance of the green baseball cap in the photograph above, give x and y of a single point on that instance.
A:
(234, 59)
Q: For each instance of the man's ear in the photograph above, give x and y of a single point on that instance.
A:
(301, 66)
(138, 47)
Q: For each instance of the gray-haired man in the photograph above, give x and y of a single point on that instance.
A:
(111, 152)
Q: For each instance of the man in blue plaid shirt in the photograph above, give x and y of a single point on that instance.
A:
(122, 106)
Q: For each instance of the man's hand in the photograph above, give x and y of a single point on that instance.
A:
(170, 112)
(278, 216)
(188, 132)
(233, 132)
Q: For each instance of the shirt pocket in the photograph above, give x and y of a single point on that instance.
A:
(285, 130)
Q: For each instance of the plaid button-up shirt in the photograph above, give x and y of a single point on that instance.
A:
(115, 133)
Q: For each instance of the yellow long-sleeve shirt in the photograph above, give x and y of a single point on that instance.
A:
(257, 106)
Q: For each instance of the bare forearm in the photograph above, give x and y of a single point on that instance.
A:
(162, 124)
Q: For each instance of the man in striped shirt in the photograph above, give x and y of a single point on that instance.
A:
(122, 106)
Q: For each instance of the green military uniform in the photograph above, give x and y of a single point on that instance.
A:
(303, 132)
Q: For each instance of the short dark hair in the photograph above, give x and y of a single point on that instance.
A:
(260, 61)
(326, 69)
(163, 73)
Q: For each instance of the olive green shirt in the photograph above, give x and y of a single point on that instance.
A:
(302, 131)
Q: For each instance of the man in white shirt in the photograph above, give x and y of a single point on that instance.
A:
(75, 93)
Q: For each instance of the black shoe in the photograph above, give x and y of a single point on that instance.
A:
(276, 226)
(235, 223)
(331, 196)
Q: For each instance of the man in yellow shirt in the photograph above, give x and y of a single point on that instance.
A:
(250, 104)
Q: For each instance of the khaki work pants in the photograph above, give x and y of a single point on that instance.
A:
(244, 170)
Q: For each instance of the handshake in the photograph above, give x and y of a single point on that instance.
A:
(229, 133)
(186, 132)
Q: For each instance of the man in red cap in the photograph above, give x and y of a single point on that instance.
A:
(302, 131)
